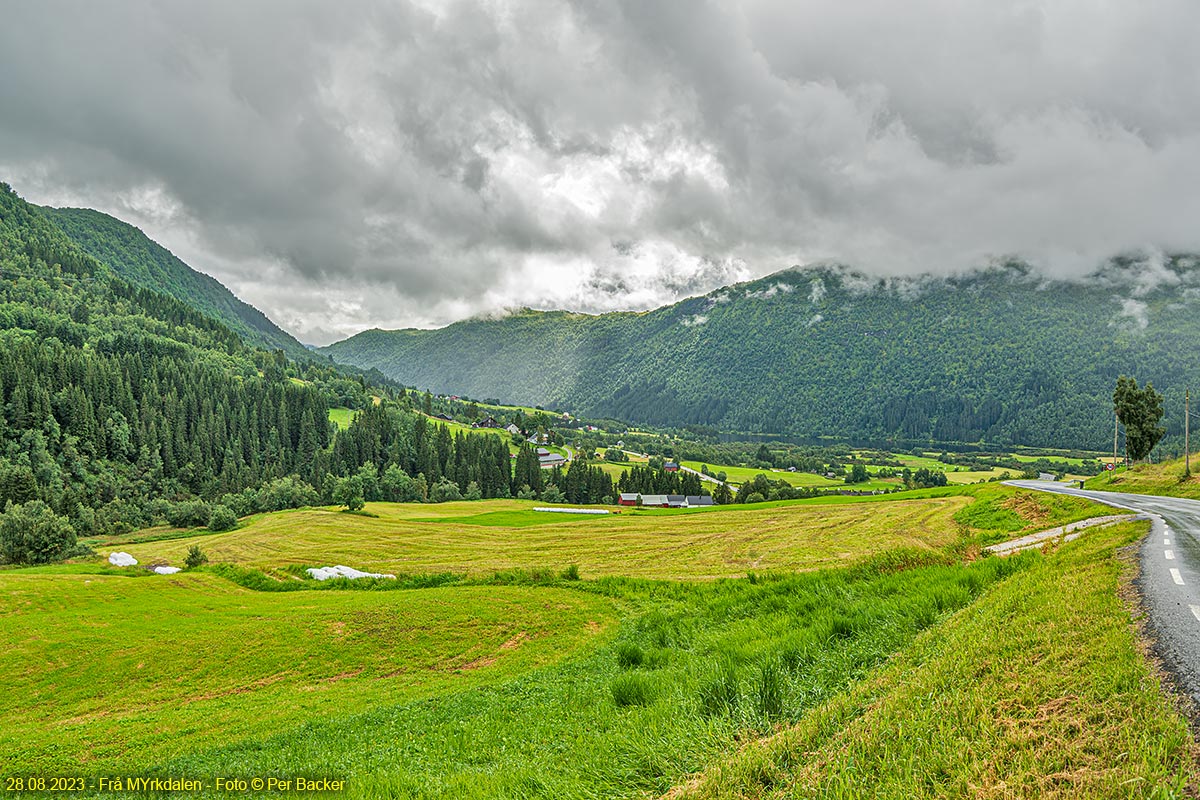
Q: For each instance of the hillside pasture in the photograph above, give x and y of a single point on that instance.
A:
(105, 667)
(739, 475)
(342, 417)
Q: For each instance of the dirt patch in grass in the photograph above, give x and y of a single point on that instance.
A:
(482, 661)
(1028, 507)
(515, 642)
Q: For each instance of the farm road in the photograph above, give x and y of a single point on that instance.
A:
(1170, 572)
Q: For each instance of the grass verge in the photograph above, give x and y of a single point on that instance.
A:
(1037, 690)
(1166, 478)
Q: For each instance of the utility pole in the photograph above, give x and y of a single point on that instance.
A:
(1116, 426)
(1187, 417)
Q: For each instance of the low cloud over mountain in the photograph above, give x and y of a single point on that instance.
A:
(403, 163)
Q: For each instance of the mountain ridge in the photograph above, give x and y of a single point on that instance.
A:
(1000, 355)
(133, 255)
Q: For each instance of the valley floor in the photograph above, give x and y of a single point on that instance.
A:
(844, 648)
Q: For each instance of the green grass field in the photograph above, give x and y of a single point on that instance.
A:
(739, 475)
(863, 625)
(106, 671)
(694, 670)
(342, 417)
(458, 427)
(479, 538)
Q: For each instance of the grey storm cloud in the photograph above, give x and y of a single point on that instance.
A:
(393, 163)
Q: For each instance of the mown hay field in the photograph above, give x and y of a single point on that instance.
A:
(479, 538)
(105, 668)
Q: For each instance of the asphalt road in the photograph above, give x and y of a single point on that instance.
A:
(1170, 579)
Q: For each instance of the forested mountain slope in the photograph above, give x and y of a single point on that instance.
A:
(143, 262)
(1000, 356)
(122, 407)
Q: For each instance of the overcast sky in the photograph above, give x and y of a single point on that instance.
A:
(346, 165)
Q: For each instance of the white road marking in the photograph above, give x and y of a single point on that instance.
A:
(1170, 555)
(1196, 612)
(1175, 576)
(1166, 541)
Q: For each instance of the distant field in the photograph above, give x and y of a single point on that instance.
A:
(104, 670)
(481, 537)
(955, 475)
(615, 470)
(975, 476)
(1069, 459)
(341, 416)
(457, 427)
(740, 475)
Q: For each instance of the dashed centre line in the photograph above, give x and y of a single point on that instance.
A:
(1169, 554)
(1175, 576)
(1196, 612)
(1166, 541)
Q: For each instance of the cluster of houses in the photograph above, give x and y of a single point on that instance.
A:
(664, 500)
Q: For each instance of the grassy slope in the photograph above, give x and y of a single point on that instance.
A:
(739, 475)
(562, 733)
(732, 540)
(1165, 478)
(1037, 690)
(459, 427)
(342, 417)
(104, 670)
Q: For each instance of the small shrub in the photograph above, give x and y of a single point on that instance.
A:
(571, 573)
(188, 514)
(195, 557)
(445, 491)
(222, 519)
(32, 533)
(630, 655)
(633, 689)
